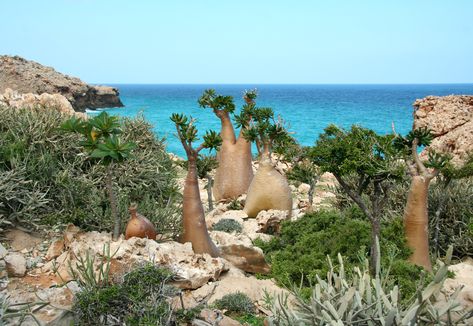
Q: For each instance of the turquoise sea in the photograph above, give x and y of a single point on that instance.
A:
(308, 109)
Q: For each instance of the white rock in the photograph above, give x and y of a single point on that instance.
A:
(15, 264)
(303, 188)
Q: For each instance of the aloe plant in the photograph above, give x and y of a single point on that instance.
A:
(362, 299)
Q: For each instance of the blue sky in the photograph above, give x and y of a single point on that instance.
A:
(206, 41)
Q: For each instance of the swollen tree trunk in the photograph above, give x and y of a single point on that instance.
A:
(194, 227)
(113, 203)
(268, 190)
(209, 191)
(416, 221)
(234, 172)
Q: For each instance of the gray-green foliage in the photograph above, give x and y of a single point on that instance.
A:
(235, 303)
(452, 224)
(362, 299)
(141, 299)
(46, 178)
(227, 225)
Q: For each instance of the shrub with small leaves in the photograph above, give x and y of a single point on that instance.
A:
(235, 304)
(227, 225)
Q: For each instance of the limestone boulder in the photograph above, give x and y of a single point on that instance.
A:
(450, 118)
(191, 270)
(270, 221)
(15, 264)
(239, 250)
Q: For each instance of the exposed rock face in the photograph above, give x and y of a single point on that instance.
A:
(45, 101)
(451, 120)
(26, 76)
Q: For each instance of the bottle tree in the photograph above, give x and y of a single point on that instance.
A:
(269, 188)
(193, 218)
(416, 221)
(234, 172)
(102, 143)
(365, 165)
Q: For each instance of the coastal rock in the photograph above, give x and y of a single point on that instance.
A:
(45, 101)
(270, 221)
(239, 250)
(191, 270)
(15, 264)
(25, 76)
(450, 118)
(251, 286)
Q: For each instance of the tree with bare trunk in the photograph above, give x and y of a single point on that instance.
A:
(193, 218)
(102, 143)
(205, 165)
(269, 188)
(416, 220)
(365, 165)
(234, 172)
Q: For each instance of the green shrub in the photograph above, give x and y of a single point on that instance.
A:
(227, 225)
(141, 299)
(300, 252)
(454, 223)
(354, 297)
(46, 179)
(236, 303)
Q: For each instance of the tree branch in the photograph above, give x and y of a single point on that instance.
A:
(354, 196)
(420, 166)
(186, 146)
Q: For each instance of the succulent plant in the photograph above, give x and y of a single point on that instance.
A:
(363, 299)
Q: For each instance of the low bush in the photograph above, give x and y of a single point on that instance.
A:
(235, 304)
(452, 224)
(227, 225)
(46, 179)
(300, 252)
(141, 299)
(354, 297)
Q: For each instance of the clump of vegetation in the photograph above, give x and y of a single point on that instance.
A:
(372, 160)
(361, 299)
(45, 178)
(300, 252)
(141, 299)
(236, 303)
(451, 217)
(101, 142)
(228, 225)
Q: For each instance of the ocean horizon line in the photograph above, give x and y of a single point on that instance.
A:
(280, 84)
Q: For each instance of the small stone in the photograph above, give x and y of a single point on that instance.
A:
(303, 188)
(55, 249)
(15, 265)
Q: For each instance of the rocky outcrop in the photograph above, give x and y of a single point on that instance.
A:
(26, 76)
(450, 118)
(45, 101)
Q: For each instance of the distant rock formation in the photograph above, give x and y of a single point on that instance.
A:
(44, 101)
(451, 120)
(26, 76)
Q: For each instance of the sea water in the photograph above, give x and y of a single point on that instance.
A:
(307, 109)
